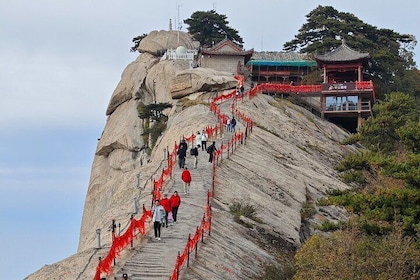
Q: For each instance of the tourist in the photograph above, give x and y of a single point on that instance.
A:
(228, 125)
(233, 124)
(183, 144)
(175, 203)
(182, 153)
(198, 139)
(204, 138)
(166, 204)
(158, 218)
(186, 178)
(194, 153)
(210, 150)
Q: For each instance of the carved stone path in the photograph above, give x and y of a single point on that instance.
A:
(156, 259)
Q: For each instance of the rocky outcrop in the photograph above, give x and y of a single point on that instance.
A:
(120, 154)
(200, 79)
(289, 157)
(157, 42)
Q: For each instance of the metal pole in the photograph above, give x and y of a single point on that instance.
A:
(177, 266)
(196, 245)
(131, 220)
(113, 234)
(188, 254)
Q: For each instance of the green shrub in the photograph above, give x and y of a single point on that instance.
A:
(243, 208)
(307, 211)
(273, 272)
(329, 226)
(351, 139)
(353, 177)
(355, 161)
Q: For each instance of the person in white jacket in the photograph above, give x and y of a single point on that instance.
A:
(158, 218)
(204, 138)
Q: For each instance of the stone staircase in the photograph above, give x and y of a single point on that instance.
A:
(156, 259)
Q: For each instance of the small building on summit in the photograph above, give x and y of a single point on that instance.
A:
(225, 56)
(346, 93)
(280, 67)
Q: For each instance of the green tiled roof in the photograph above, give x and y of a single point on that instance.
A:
(292, 63)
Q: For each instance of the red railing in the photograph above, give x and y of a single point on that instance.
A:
(139, 226)
(228, 147)
(120, 242)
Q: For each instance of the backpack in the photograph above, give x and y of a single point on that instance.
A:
(208, 150)
(194, 152)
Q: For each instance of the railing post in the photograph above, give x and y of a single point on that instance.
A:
(114, 226)
(210, 220)
(196, 245)
(228, 148)
(188, 251)
(177, 266)
(131, 241)
(153, 191)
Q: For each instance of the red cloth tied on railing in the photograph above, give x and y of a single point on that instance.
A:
(120, 242)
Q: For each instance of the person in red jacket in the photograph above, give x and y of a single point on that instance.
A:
(186, 178)
(166, 203)
(175, 202)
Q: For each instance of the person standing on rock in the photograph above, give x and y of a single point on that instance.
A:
(210, 150)
(198, 139)
(204, 138)
(166, 203)
(182, 153)
(194, 153)
(228, 125)
(158, 218)
(186, 178)
(183, 144)
(233, 124)
(175, 203)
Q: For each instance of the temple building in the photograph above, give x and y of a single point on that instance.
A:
(225, 56)
(345, 96)
(280, 67)
(346, 92)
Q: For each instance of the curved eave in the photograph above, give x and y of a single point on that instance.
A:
(342, 54)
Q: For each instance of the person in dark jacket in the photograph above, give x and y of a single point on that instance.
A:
(233, 125)
(210, 150)
(182, 153)
(194, 153)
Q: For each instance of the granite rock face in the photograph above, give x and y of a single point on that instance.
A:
(289, 157)
(120, 153)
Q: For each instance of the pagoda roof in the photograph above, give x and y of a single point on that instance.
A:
(226, 47)
(342, 54)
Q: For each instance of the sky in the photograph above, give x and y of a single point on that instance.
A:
(59, 64)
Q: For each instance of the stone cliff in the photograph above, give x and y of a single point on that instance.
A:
(288, 158)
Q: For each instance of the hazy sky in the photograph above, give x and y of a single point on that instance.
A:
(59, 64)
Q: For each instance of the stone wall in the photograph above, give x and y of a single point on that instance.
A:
(221, 63)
